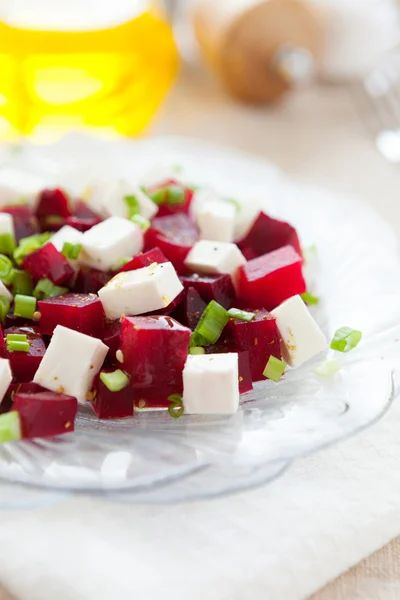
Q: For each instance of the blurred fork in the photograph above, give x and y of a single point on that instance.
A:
(378, 101)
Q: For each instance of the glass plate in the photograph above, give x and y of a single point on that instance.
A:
(153, 458)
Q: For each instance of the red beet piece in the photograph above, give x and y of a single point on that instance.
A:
(112, 405)
(267, 235)
(81, 312)
(270, 279)
(3, 350)
(48, 263)
(25, 364)
(25, 222)
(245, 381)
(154, 350)
(24, 388)
(172, 308)
(155, 396)
(111, 338)
(218, 287)
(170, 209)
(81, 223)
(53, 202)
(174, 235)
(90, 281)
(13, 321)
(144, 260)
(83, 211)
(194, 307)
(45, 414)
(259, 337)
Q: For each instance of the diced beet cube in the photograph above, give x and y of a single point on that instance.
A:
(25, 364)
(270, 279)
(212, 287)
(174, 235)
(154, 350)
(145, 259)
(111, 338)
(172, 308)
(45, 414)
(82, 223)
(81, 312)
(90, 281)
(25, 388)
(48, 263)
(267, 235)
(259, 337)
(155, 396)
(25, 222)
(3, 350)
(83, 211)
(13, 321)
(194, 307)
(112, 405)
(53, 202)
(170, 209)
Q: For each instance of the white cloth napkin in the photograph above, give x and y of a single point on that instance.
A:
(283, 541)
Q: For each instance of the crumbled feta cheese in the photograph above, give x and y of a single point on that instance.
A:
(66, 234)
(7, 224)
(19, 186)
(5, 292)
(106, 243)
(301, 337)
(215, 257)
(71, 362)
(108, 199)
(211, 384)
(141, 291)
(5, 377)
(216, 221)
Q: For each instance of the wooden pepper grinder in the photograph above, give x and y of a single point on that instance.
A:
(261, 49)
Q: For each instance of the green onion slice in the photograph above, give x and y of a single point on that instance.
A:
(10, 427)
(22, 283)
(328, 367)
(309, 298)
(175, 407)
(16, 337)
(25, 306)
(143, 223)
(30, 244)
(71, 251)
(133, 205)
(5, 267)
(168, 194)
(18, 346)
(4, 308)
(196, 350)
(7, 244)
(210, 326)
(115, 381)
(274, 368)
(46, 289)
(236, 313)
(345, 339)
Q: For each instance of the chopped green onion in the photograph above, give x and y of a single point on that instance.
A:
(274, 368)
(120, 263)
(175, 407)
(10, 427)
(143, 223)
(46, 289)
(30, 244)
(18, 346)
(115, 381)
(169, 194)
(16, 337)
(158, 196)
(196, 350)
(25, 306)
(345, 339)
(4, 308)
(5, 266)
(71, 251)
(236, 313)
(22, 283)
(9, 278)
(210, 326)
(133, 205)
(309, 298)
(7, 244)
(328, 367)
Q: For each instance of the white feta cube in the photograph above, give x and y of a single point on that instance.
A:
(7, 224)
(108, 199)
(5, 292)
(19, 186)
(215, 257)
(301, 337)
(5, 377)
(216, 221)
(106, 243)
(71, 362)
(211, 384)
(66, 234)
(141, 291)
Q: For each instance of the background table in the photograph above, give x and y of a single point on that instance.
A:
(316, 137)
